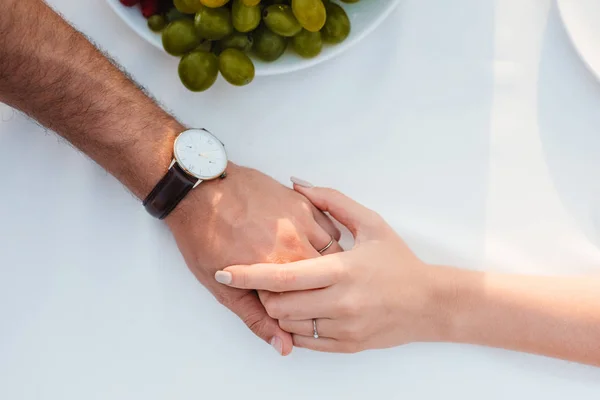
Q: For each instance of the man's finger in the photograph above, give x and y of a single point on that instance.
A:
(313, 273)
(251, 311)
(327, 224)
(322, 241)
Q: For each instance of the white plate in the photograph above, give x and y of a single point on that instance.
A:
(582, 21)
(364, 16)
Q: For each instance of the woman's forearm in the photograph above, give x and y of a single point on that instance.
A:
(552, 316)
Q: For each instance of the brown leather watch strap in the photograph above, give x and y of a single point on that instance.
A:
(168, 192)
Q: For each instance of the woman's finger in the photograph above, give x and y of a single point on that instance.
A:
(300, 275)
(326, 328)
(301, 305)
(351, 214)
(323, 242)
(321, 344)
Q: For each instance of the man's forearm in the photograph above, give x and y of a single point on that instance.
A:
(54, 74)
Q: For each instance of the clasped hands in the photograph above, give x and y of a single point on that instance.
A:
(360, 299)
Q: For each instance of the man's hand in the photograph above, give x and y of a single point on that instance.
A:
(243, 219)
(56, 76)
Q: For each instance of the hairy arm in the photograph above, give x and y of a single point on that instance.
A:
(51, 72)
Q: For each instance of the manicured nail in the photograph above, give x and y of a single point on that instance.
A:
(223, 277)
(301, 182)
(277, 345)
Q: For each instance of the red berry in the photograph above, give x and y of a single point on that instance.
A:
(149, 7)
(129, 3)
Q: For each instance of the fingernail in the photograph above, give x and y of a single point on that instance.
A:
(301, 182)
(277, 344)
(223, 277)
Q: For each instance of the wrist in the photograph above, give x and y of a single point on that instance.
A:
(204, 200)
(140, 158)
(456, 296)
(144, 160)
(448, 299)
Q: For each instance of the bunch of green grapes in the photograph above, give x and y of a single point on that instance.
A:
(213, 36)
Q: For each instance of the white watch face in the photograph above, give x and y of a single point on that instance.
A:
(200, 154)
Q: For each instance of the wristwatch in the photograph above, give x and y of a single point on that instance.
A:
(197, 156)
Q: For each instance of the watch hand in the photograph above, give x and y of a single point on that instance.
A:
(206, 152)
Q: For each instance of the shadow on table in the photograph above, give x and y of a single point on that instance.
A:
(569, 125)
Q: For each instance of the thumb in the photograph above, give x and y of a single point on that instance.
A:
(353, 215)
(253, 313)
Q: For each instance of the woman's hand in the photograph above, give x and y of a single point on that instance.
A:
(377, 295)
(380, 294)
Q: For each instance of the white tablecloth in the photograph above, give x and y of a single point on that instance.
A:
(471, 125)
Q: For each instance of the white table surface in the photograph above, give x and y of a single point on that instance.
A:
(470, 124)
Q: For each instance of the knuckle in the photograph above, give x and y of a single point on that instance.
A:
(274, 308)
